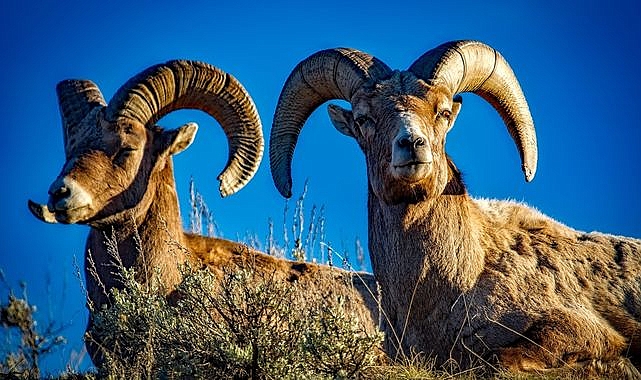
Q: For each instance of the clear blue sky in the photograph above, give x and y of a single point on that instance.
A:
(577, 64)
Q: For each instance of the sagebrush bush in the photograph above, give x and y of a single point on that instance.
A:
(24, 342)
(239, 324)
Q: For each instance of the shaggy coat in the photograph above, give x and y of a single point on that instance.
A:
(466, 282)
(118, 179)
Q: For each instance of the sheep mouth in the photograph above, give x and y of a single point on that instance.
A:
(64, 216)
(74, 215)
(411, 164)
(412, 170)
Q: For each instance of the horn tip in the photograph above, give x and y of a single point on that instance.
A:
(41, 212)
(33, 207)
(224, 193)
(529, 173)
(229, 187)
(285, 190)
(223, 187)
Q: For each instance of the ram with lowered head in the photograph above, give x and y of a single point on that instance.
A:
(118, 179)
(462, 279)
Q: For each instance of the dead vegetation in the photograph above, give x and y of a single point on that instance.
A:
(251, 326)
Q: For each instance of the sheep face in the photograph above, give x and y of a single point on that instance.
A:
(108, 173)
(400, 118)
(116, 156)
(401, 125)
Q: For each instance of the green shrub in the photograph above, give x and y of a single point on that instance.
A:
(240, 324)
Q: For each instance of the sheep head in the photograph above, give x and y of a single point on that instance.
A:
(113, 152)
(400, 123)
(400, 119)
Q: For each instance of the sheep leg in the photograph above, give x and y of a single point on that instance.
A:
(568, 338)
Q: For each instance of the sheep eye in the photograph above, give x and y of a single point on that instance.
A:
(446, 114)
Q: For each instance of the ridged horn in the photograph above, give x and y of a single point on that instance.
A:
(76, 98)
(472, 66)
(325, 75)
(182, 84)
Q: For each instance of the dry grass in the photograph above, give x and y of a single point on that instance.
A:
(241, 324)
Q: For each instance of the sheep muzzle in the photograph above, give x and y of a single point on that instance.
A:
(411, 153)
(68, 203)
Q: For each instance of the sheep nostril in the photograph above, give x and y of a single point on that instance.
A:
(411, 142)
(59, 193)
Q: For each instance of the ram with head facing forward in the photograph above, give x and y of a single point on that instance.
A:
(463, 279)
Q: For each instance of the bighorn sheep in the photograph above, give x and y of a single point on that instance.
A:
(118, 177)
(464, 279)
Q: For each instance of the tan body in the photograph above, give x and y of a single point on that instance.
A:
(509, 282)
(164, 245)
(118, 179)
(465, 282)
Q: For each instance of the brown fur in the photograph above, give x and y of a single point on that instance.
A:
(472, 280)
(134, 202)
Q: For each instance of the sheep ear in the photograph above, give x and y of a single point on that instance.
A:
(342, 119)
(456, 108)
(179, 139)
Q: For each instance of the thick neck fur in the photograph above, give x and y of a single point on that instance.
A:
(149, 236)
(418, 250)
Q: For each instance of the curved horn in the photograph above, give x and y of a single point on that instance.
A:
(76, 98)
(181, 84)
(472, 66)
(325, 75)
(42, 212)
